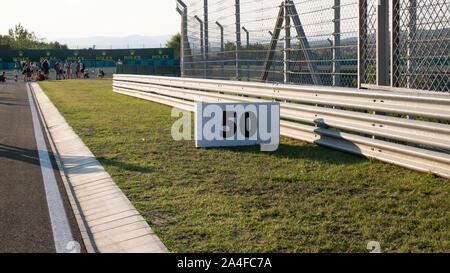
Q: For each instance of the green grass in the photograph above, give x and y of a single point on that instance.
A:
(302, 198)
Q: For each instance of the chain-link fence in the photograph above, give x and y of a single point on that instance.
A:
(419, 40)
(308, 42)
(421, 44)
(368, 40)
(402, 43)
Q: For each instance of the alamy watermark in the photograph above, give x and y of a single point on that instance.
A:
(374, 247)
(73, 247)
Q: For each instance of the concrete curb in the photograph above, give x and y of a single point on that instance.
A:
(107, 220)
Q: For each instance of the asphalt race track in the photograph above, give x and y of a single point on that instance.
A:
(25, 222)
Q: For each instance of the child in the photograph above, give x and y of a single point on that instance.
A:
(16, 73)
(27, 73)
(3, 77)
(85, 74)
(40, 77)
(101, 74)
(74, 70)
(58, 70)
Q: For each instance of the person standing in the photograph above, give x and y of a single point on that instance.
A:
(32, 68)
(78, 68)
(64, 70)
(16, 72)
(3, 77)
(27, 72)
(46, 68)
(58, 70)
(82, 68)
(68, 69)
(73, 68)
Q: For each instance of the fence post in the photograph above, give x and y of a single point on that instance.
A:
(247, 52)
(362, 28)
(411, 35)
(395, 40)
(181, 43)
(206, 43)
(382, 42)
(332, 61)
(287, 43)
(183, 12)
(222, 48)
(238, 40)
(337, 43)
(201, 41)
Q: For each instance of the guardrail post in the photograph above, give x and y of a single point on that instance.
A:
(382, 42)
(205, 21)
(222, 48)
(337, 44)
(382, 46)
(411, 52)
(238, 39)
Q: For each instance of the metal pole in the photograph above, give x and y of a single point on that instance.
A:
(382, 42)
(247, 51)
(411, 34)
(411, 52)
(382, 48)
(395, 40)
(332, 61)
(238, 40)
(182, 43)
(201, 40)
(182, 10)
(206, 43)
(362, 28)
(273, 44)
(337, 44)
(304, 44)
(271, 35)
(287, 43)
(222, 48)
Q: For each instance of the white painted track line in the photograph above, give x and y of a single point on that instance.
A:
(112, 223)
(62, 233)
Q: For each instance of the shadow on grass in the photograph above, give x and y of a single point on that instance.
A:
(311, 152)
(308, 152)
(125, 166)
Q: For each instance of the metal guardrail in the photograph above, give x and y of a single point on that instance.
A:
(338, 118)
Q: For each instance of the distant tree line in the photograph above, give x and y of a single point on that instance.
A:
(21, 38)
(175, 43)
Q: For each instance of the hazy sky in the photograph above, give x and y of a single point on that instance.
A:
(84, 18)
